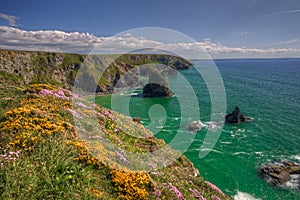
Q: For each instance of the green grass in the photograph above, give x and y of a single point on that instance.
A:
(9, 92)
(47, 173)
(50, 172)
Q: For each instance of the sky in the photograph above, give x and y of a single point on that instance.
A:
(222, 28)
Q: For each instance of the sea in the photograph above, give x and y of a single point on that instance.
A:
(267, 90)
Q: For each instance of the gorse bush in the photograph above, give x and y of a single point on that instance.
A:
(131, 185)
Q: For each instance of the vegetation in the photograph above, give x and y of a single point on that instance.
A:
(43, 157)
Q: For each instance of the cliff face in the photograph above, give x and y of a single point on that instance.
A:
(33, 67)
(61, 69)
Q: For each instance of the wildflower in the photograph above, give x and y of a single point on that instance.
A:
(176, 191)
(131, 185)
(214, 188)
(217, 198)
(8, 156)
(56, 93)
(156, 173)
(197, 194)
(74, 113)
(70, 93)
(156, 192)
(121, 156)
(106, 112)
(82, 105)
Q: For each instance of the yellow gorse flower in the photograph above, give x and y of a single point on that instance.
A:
(131, 185)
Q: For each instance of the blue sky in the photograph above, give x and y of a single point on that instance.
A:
(237, 24)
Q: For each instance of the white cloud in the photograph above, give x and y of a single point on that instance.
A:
(289, 42)
(10, 18)
(283, 12)
(242, 33)
(75, 42)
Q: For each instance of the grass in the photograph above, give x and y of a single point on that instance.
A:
(49, 172)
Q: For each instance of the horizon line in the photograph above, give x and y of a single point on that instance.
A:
(225, 58)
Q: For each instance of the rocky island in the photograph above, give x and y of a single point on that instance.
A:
(282, 174)
(236, 117)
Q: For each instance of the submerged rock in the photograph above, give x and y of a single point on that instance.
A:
(283, 173)
(195, 126)
(236, 117)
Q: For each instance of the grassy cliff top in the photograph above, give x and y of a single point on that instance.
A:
(48, 152)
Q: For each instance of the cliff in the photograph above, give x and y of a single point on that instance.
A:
(45, 154)
(60, 69)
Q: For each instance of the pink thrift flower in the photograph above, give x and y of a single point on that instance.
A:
(214, 187)
(121, 156)
(106, 112)
(197, 194)
(82, 105)
(176, 191)
(74, 113)
(56, 93)
(217, 198)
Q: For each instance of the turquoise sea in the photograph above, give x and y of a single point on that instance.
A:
(268, 90)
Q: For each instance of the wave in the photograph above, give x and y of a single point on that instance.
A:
(238, 153)
(294, 182)
(213, 150)
(243, 196)
(297, 157)
(259, 153)
(226, 142)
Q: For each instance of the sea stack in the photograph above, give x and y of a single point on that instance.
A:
(156, 90)
(236, 117)
(157, 87)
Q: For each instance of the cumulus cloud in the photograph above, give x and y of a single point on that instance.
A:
(75, 42)
(10, 18)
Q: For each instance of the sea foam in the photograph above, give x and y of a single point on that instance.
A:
(244, 196)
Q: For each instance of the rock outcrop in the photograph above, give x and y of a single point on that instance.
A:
(156, 90)
(236, 117)
(279, 173)
(158, 85)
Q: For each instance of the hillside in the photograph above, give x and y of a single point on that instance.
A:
(47, 154)
(60, 69)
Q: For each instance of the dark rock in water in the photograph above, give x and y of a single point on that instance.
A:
(158, 85)
(281, 173)
(236, 117)
(156, 90)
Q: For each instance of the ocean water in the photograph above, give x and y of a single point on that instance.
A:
(266, 90)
